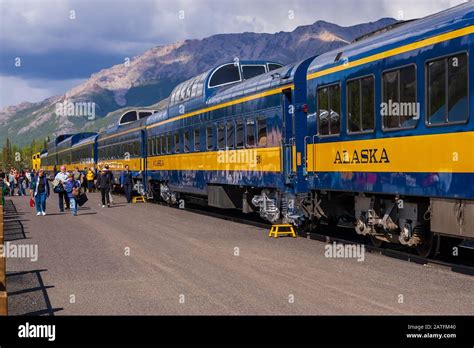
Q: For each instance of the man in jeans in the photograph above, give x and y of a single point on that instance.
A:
(62, 178)
(70, 186)
(40, 190)
(104, 183)
(11, 181)
(112, 180)
(126, 181)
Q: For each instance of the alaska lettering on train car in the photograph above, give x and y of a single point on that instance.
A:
(362, 156)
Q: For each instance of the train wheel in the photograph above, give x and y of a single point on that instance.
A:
(377, 242)
(430, 245)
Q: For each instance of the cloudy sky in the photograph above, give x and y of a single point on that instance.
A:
(49, 46)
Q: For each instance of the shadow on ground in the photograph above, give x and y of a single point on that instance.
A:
(27, 294)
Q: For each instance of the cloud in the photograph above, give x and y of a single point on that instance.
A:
(61, 40)
(33, 90)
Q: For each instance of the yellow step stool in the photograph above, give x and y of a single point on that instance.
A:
(138, 199)
(287, 229)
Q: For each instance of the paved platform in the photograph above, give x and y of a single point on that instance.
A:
(180, 262)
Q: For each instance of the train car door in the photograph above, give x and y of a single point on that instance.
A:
(288, 140)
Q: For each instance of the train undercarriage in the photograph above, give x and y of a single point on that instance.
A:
(415, 222)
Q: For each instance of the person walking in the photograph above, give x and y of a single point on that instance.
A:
(61, 179)
(3, 186)
(32, 179)
(90, 179)
(72, 188)
(21, 183)
(112, 181)
(77, 174)
(11, 181)
(40, 192)
(126, 182)
(104, 184)
(84, 179)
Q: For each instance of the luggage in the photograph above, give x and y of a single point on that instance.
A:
(58, 188)
(82, 199)
(32, 203)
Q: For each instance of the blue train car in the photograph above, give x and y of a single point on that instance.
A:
(50, 161)
(389, 140)
(121, 145)
(84, 152)
(229, 147)
(64, 150)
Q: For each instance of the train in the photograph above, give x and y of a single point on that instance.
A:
(376, 136)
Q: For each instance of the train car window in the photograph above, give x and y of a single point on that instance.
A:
(168, 143)
(128, 117)
(250, 125)
(249, 71)
(194, 89)
(230, 135)
(118, 151)
(353, 106)
(457, 88)
(239, 134)
(437, 92)
(360, 105)
(176, 143)
(221, 136)
(197, 140)
(323, 115)
(188, 90)
(161, 145)
(262, 132)
(272, 66)
(126, 149)
(136, 148)
(329, 110)
(399, 108)
(150, 142)
(186, 141)
(143, 114)
(209, 138)
(225, 74)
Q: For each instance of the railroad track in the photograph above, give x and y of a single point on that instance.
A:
(339, 235)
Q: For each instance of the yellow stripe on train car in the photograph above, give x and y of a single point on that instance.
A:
(437, 153)
(135, 164)
(395, 51)
(254, 159)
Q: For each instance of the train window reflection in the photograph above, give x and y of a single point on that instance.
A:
(262, 132)
(447, 90)
(329, 110)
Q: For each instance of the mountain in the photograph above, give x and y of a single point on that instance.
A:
(148, 78)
